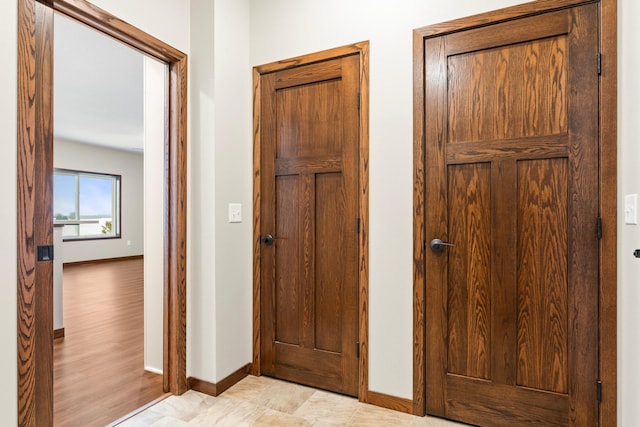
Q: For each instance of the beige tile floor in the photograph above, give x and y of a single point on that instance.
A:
(263, 401)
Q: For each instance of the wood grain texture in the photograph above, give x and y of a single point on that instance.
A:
(99, 365)
(584, 200)
(34, 225)
(363, 214)
(542, 277)
(608, 211)
(469, 290)
(436, 267)
(175, 343)
(497, 16)
(257, 223)
(554, 125)
(314, 291)
(331, 273)
(106, 23)
(419, 236)
(35, 159)
(216, 389)
(528, 99)
(390, 402)
(264, 86)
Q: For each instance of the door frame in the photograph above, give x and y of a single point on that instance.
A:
(35, 182)
(607, 179)
(362, 50)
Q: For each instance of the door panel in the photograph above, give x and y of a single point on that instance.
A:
(309, 275)
(512, 181)
(542, 274)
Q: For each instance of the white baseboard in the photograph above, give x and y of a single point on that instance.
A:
(153, 370)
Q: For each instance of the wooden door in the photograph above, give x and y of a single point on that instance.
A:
(309, 272)
(511, 130)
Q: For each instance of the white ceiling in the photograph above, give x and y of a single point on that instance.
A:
(98, 88)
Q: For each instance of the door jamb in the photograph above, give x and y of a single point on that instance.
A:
(361, 49)
(35, 149)
(608, 190)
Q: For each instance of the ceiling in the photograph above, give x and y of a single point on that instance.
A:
(98, 88)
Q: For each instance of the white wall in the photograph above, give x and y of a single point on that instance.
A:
(155, 78)
(628, 235)
(129, 165)
(201, 319)
(233, 183)
(8, 161)
(286, 28)
(220, 323)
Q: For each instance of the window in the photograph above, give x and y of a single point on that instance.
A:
(88, 204)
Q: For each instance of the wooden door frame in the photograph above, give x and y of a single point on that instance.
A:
(607, 179)
(362, 50)
(35, 182)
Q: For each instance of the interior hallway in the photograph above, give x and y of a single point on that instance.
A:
(98, 365)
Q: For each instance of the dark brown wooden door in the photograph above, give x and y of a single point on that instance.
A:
(309, 273)
(512, 181)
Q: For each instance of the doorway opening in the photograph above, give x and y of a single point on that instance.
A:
(109, 124)
(35, 211)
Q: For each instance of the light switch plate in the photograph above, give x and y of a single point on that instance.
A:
(631, 209)
(235, 212)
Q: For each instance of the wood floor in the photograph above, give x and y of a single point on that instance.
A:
(98, 365)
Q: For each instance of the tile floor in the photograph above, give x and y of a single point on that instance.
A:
(263, 401)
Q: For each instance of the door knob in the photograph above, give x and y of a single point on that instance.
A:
(438, 245)
(268, 239)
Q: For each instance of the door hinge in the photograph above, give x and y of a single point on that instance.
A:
(358, 225)
(358, 349)
(599, 390)
(599, 228)
(599, 63)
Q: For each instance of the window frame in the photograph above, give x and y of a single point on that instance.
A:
(116, 203)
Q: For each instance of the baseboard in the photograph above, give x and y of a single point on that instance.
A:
(216, 389)
(58, 333)
(390, 402)
(153, 370)
(99, 261)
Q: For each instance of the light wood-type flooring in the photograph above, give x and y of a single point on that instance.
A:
(98, 365)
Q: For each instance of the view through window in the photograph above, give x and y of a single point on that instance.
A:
(87, 204)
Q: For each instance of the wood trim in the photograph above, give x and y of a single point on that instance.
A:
(203, 386)
(419, 236)
(216, 389)
(99, 19)
(257, 223)
(35, 171)
(103, 260)
(34, 147)
(58, 333)
(608, 188)
(496, 16)
(361, 49)
(363, 213)
(175, 343)
(390, 402)
(608, 211)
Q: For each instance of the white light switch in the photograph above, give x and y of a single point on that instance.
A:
(235, 212)
(631, 209)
